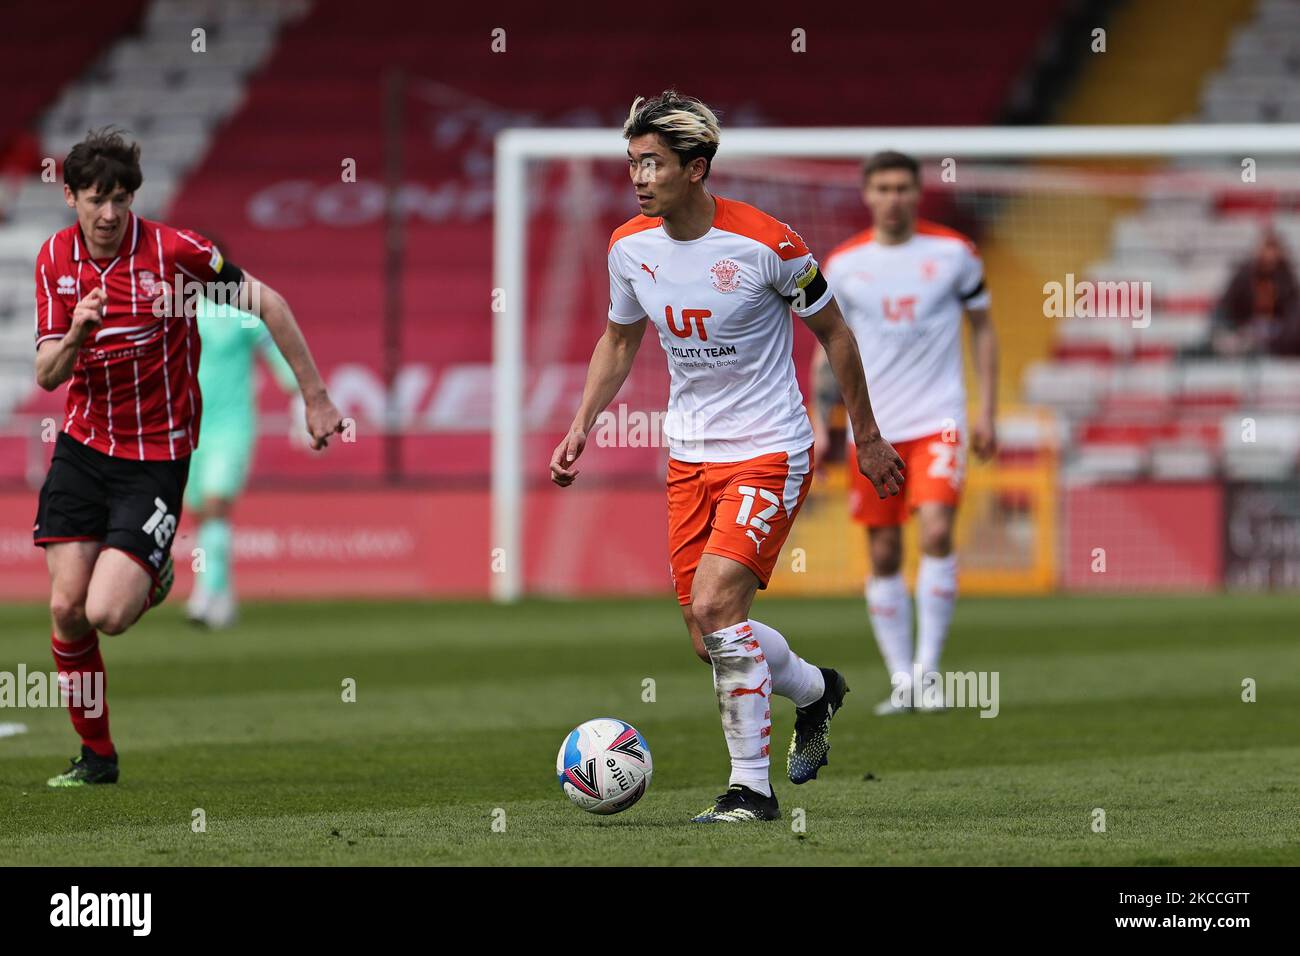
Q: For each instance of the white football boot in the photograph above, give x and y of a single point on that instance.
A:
(196, 608)
(222, 611)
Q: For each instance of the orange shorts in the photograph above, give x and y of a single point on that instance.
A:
(741, 510)
(933, 472)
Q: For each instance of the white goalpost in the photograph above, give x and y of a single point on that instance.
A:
(516, 148)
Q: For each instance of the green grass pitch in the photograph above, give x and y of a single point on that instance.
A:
(1129, 704)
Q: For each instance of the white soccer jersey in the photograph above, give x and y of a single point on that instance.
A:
(905, 302)
(721, 304)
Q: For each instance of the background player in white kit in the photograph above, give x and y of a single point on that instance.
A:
(904, 285)
(719, 279)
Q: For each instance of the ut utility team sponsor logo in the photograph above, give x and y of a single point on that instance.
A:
(901, 309)
(726, 275)
(689, 316)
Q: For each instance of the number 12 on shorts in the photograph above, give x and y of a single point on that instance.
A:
(759, 521)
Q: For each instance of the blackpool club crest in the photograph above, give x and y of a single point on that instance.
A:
(726, 275)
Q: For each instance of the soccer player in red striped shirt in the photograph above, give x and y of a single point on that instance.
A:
(114, 319)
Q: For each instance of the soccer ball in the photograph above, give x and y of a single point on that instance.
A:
(604, 765)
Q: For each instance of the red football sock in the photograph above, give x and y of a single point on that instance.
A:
(81, 657)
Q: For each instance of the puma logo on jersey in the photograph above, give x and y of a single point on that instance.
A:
(788, 233)
(651, 271)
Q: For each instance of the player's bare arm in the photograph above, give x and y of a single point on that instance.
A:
(611, 361)
(825, 397)
(323, 419)
(984, 348)
(877, 459)
(55, 360)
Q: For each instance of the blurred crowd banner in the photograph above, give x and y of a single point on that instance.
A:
(1261, 535)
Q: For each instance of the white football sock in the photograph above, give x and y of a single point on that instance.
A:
(743, 682)
(890, 608)
(936, 596)
(792, 676)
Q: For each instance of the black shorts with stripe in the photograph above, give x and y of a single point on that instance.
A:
(133, 506)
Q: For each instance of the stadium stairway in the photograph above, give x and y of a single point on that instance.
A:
(1152, 71)
(1157, 57)
(1132, 410)
(145, 76)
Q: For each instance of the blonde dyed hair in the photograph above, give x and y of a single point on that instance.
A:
(689, 128)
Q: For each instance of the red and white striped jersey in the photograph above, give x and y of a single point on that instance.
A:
(134, 391)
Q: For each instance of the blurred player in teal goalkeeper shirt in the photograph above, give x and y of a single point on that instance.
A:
(219, 468)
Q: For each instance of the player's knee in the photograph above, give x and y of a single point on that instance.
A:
(106, 618)
(885, 548)
(713, 610)
(886, 561)
(701, 651)
(693, 629)
(937, 542)
(68, 614)
(885, 567)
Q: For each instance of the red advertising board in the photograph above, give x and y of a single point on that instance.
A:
(1142, 536)
(399, 543)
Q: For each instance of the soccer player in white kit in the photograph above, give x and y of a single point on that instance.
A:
(904, 285)
(718, 279)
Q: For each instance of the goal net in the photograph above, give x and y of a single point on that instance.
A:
(1105, 250)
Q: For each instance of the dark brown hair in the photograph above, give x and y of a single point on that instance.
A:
(891, 159)
(104, 159)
